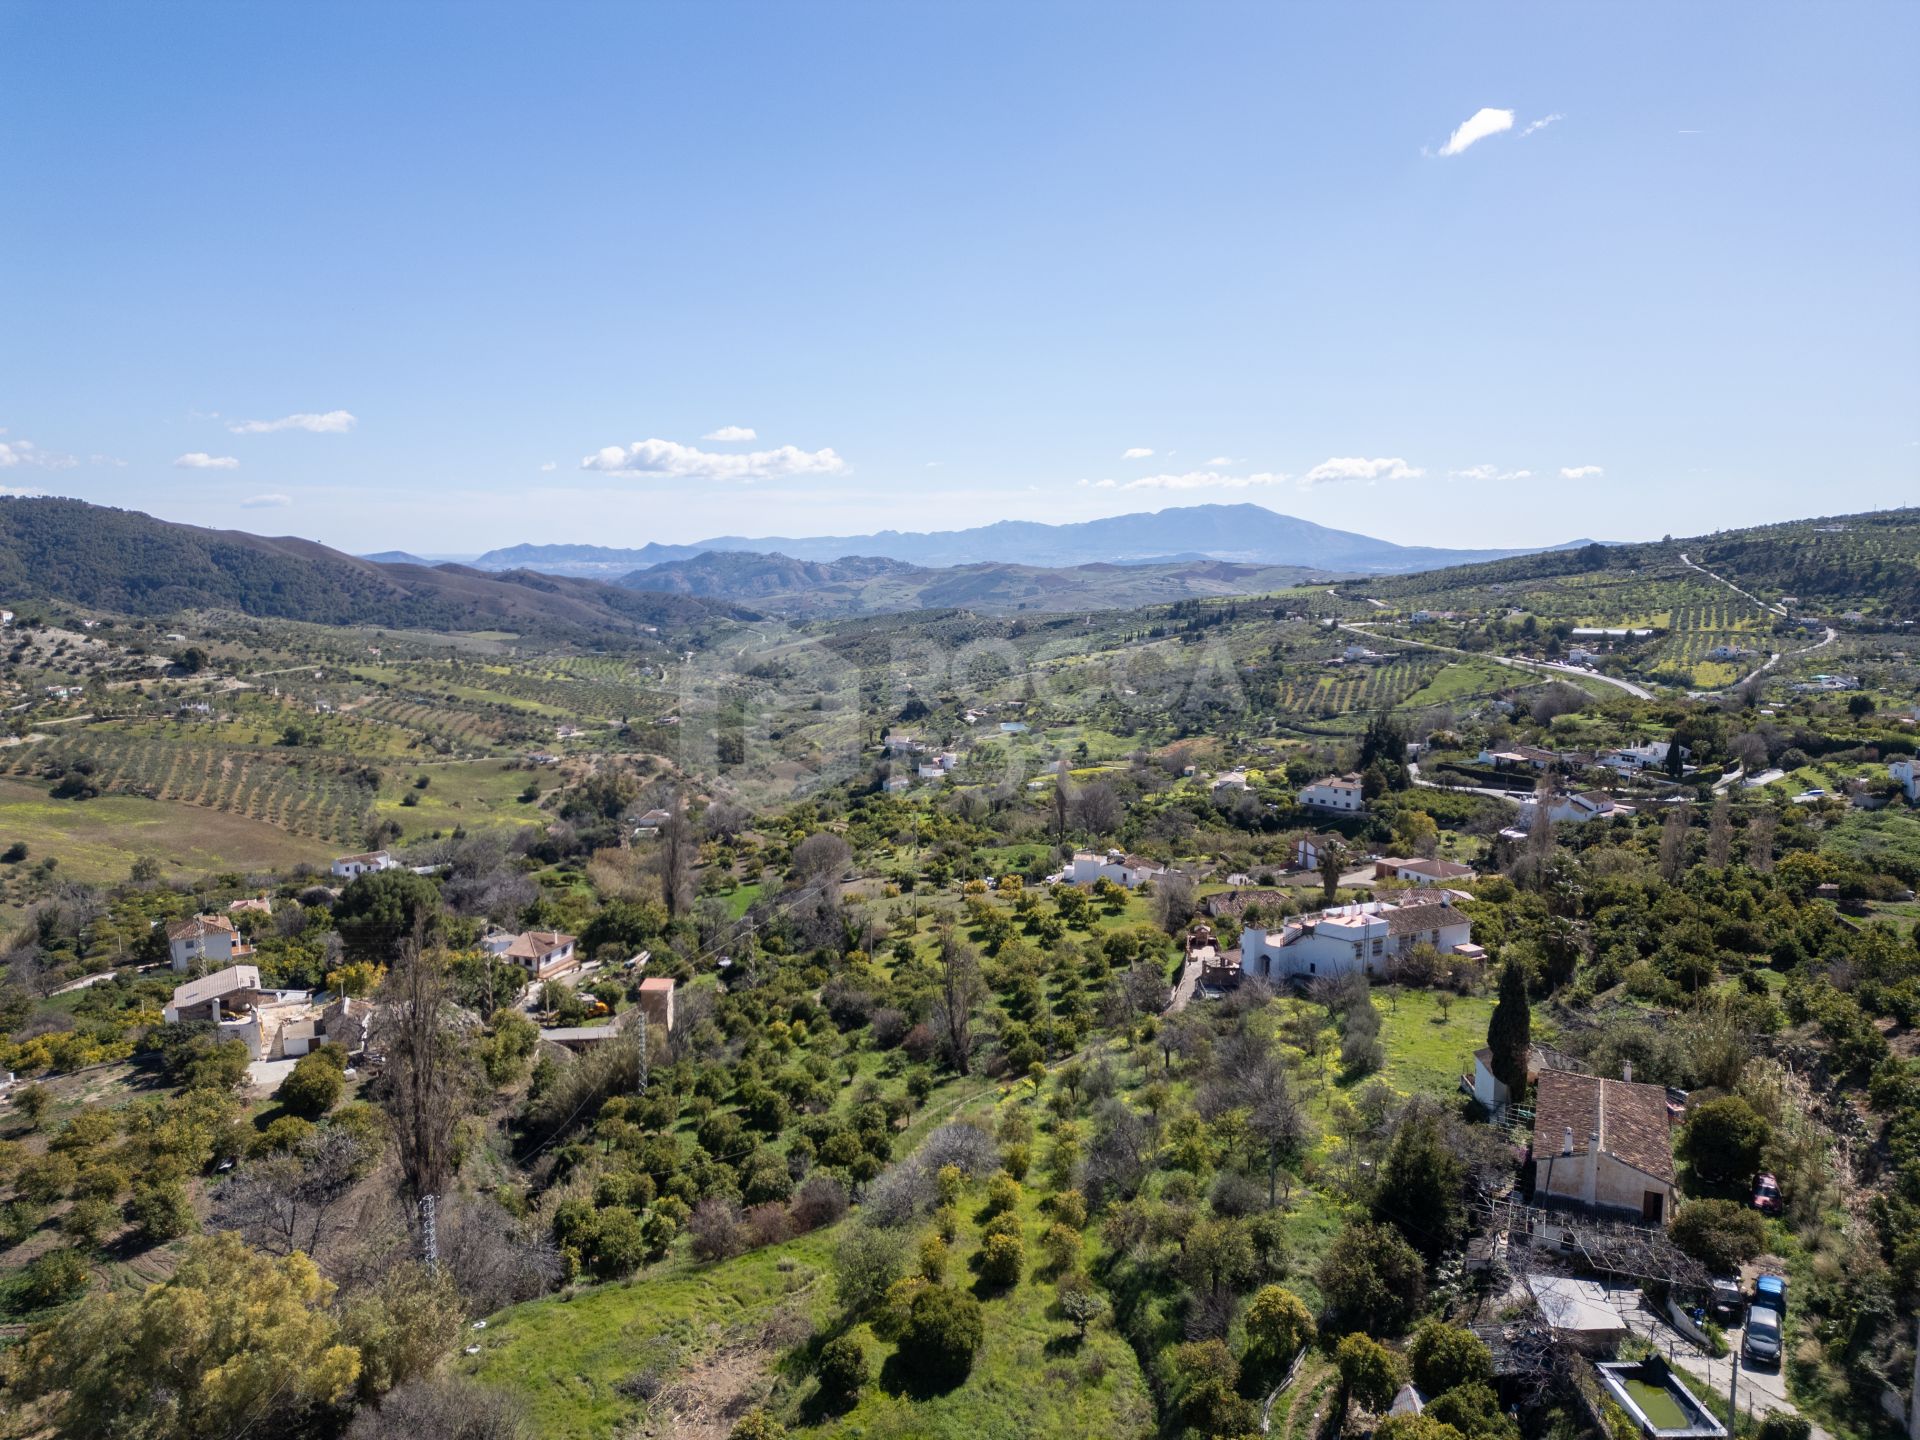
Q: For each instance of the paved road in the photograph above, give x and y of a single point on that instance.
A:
(1413, 773)
(85, 982)
(1543, 667)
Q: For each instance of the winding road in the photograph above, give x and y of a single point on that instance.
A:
(1544, 667)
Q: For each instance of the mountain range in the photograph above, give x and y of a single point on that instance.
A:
(132, 564)
(1238, 534)
(871, 585)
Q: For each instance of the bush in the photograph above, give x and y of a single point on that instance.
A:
(943, 1331)
(1444, 1356)
(1725, 1139)
(1369, 1372)
(1002, 1259)
(1721, 1234)
(312, 1086)
(716, 1229)
(821, 1201)
(841, 1371)
(1003, 1194)
(162, 1210)
(1372, 1279)
(53, 1279)
(757, 1424)
(1781, 1426)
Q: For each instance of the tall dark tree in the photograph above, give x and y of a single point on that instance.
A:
(1510, 1031)
(1421, 1180)
(679, 847)
(961, 989)
(425, 1086)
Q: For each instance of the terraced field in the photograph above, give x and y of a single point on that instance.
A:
(325, 796)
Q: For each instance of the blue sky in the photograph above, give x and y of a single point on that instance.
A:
(448, 277)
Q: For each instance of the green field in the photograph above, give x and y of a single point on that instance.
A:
(98, 840)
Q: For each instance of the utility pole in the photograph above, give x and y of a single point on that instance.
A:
(1733, 1390)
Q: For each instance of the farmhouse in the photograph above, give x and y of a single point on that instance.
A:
(1362, 939)
(205, 940)
(352, 867)
(1907, 772)
(1516, 756)
(1603, 1144)
(1632, 759)
(215, 997)
(1575, 807)
(1335, 792)
(650, 823)
(1422, 872)
(1128, 870)
(542, 953)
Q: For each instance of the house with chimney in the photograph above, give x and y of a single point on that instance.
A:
(1341, 793)
(1089, 866)
(1605, 1145)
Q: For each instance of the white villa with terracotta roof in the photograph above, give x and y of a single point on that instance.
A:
(1362, 939)
(352, 867)
(542, 953)
(1128, 870)
(1335, 792)
(205, 940)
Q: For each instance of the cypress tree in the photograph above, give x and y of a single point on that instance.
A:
(1510, 1031)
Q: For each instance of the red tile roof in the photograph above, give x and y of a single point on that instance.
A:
(1629, 1118)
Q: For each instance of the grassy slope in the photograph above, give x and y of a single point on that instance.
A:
(98, 840)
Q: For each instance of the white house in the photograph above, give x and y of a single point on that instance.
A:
(1907, 772)
(1571, 806)
(896, 783)
(213, 997)
(1308, 849)
(1231, 780)
(1603, 1144)
(1517, 755)
(650, 823)
(1128, 870)
(1421, 872)
(1335, 792)
(1489, 1089)
(902, 744)
(352, 867)
(205, 940)
(1361, 939)
(932, 770)
(1632, 759)
(542, 953)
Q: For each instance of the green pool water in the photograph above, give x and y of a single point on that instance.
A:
(1656, 1402)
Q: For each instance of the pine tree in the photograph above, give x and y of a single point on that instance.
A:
(1510, 1031)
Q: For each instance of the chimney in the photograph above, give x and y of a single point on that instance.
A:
(1626, 1071)
(1566, 1144)
(1592, 1175)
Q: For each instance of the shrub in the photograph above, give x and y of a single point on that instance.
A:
(841, 1371)
(1782, 1426)
(1369, 1371)
(1002, 1259)
(53, 1279)
(1003, 1194)
(942, 1333)
(1725, 1139)
(162, 1210)
(1721, 1234)
(1278, 1324)
(821, 1201)
(1372, 1279)
(1444, 1356)
(1069, 1207)
(1062, 1246)
(933, 1259)
(757, 1424)
(312, 1086)
(716, 1231)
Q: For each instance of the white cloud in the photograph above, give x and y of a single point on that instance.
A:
(334, 422)
(1488, 472)
(1541, 123)
(1581, 472)
(1192, 480)
(265, 502)
(672, 460)
(731, 434)
(20, 492)
(1339, 468)
(549, 467)
(24, 452)
(1138, 452)
(1220, 462)
(1478, 126)
(200, 460)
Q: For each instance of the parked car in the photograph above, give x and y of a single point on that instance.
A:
(1762, 1343)
(1727, 1303)
(1766, 1195)
(1771, 1291)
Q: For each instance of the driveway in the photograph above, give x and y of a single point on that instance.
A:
(265, 1075)
(1761, 1391)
